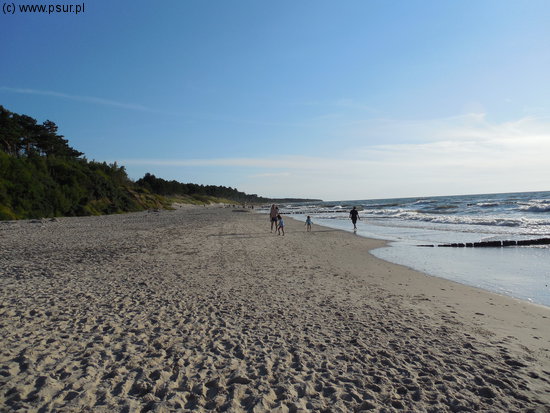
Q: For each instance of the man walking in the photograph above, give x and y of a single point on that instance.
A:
(354, 215)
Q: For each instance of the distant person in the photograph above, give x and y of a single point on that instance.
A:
(273, 216)
(280, 225)
(308, 224)
(354, 215)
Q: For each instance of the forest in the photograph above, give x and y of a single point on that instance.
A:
(41, 176)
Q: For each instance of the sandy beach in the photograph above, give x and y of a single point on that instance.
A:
(203, 309)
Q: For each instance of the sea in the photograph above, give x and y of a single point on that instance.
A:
(522, 272)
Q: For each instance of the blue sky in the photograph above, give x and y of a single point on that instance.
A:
(323, 99)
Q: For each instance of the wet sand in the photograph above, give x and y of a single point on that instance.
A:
(203, 309)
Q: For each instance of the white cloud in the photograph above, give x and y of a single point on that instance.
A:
(87, 99)
(292, 162)
(272, 174)
(457, 155)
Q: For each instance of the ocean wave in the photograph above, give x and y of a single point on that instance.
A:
(486, 204)
(536, 206)
(461, 220)
(439, 209)
(419, 216)
(525, 213)
(483, 221)
(425, 202)
(389, 205)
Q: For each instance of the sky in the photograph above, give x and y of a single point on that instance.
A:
(335, 100)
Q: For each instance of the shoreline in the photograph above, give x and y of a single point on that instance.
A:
(463, 265)
(204, 309)
(387, 244)
(467, 296)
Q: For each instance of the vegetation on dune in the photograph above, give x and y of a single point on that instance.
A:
(199, 192)
(36, 186)
(42, 176)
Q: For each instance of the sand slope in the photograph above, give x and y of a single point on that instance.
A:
(203, 309)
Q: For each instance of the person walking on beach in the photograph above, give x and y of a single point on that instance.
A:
(273, 216)
(308, 224)
(280, 225)
(354, 215)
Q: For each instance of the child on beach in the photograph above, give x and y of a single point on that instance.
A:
(280, 225)
(308, 224)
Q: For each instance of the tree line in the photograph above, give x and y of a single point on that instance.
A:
(41, 175)
(163, 187)
(21, 135)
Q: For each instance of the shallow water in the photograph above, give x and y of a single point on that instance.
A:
(520, 272)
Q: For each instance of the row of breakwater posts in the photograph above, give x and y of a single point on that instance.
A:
(494, 244)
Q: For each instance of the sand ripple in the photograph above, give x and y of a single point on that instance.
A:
(205, 310)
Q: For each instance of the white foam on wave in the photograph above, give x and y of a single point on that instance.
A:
(536, 205)
(525, 213)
